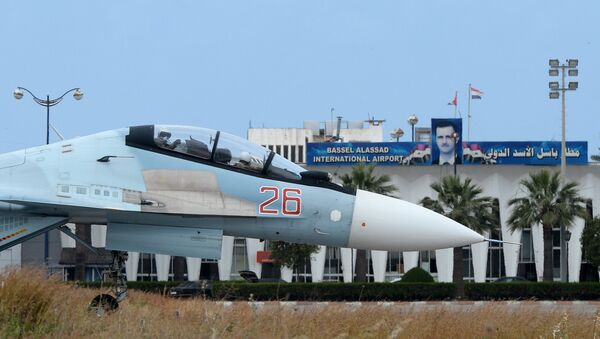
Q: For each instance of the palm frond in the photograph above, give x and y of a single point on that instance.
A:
(461, 201)
(548, 200)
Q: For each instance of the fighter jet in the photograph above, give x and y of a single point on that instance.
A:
(177, 190)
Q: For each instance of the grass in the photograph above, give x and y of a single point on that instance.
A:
(32, 305)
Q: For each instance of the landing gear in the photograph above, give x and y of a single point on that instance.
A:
(104, 303)
(117, 275)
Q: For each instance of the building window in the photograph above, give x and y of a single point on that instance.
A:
(293, 153)
(527, 248)
(394, 266)
(146, 267)
(278, 149)
(333, 265)
(240, 258)
(303, 273)
(495, 262)
(428, 262)
(495, 265)
(285, 151)
(301, 154)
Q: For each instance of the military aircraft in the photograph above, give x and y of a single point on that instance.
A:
(177, 190)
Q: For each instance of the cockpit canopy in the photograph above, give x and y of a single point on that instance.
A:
(225, 149)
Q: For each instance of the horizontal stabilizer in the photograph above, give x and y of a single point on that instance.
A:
(177, 241)
(15, 229)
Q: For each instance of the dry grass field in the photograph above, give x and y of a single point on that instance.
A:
(33, 306)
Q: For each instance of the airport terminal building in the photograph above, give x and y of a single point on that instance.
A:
(334, 147)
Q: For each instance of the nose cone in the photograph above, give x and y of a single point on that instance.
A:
(384, 223)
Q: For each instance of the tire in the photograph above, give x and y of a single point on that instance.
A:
(103, 304)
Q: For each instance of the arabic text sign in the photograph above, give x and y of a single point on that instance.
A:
(382, 153)
(523, 153)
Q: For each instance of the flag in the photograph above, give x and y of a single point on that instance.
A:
(475, 93)
(454, 102)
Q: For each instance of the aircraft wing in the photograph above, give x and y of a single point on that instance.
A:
(17, 228)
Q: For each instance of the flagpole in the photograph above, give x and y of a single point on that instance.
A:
(455, 103)
(469, 115)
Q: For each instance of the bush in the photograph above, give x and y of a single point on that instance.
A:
(417, 274)
(161, 287)
(528, 290)
(328, 291)
(331, 291)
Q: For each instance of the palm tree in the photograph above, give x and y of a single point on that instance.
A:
(362, 177)
(550, 202)
(461, 201)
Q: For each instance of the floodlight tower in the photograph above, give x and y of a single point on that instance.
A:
(569, 68)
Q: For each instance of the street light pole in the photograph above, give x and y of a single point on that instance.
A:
(412, 121)
(18, 94)
(567, 238)
(47, 120)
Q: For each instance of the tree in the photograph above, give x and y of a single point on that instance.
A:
(550, 202)
(362, 177)
(461, 201)
(291, 255)
(596, 157)
(590, 240)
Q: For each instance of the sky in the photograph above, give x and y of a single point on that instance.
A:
(228, 64)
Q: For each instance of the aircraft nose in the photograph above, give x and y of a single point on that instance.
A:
(385, 223)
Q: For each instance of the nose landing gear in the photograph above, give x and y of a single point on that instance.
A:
(104, 303)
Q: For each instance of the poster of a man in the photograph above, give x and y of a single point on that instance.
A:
(446, 145)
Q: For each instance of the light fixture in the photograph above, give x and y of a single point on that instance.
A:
(413, 120)
(553, 85)
(573, 72)
(567, 235)
(554, 95)
(573, 85)
(553, 62)
(397, 133)
(18, 93)
(78, 94)
(573, 62)
(553, 72)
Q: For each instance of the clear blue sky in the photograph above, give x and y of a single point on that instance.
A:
(221, 64)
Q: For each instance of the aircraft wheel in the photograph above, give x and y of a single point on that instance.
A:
(103, 303)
